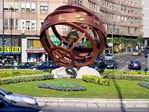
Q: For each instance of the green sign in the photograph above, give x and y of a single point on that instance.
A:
(55, 40)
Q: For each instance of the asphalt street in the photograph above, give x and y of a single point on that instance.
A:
(124, 58)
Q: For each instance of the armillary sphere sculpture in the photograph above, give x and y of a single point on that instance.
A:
(79, 42)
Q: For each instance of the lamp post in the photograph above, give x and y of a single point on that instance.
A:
(11, 24)
(3, 33)
(112, 31)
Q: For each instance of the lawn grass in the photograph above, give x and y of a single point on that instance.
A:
(128, 89)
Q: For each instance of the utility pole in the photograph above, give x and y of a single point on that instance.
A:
(3, 38)
(11, 25)
(112, 31)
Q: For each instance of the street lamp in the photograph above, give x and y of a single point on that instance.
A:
(3, 33)
(11, 23)
(112, 31)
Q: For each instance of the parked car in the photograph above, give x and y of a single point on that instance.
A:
(109, 56)
(134, 65)
(111, 64)
(26, 65)
(98, 65)
(136, 53)
(8, 65)
(1, 64)
(47, 65)
(12, 106)
(146, 52)
(18, 97)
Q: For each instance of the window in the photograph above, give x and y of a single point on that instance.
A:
(33, 44)
(11, 21)
(23, 7)
(5, 23)
(16, 24)
(23, 25)
(43, 8)
(28, 25)
(33, 25)
(33, 7)
(30, 43)
(27, 7)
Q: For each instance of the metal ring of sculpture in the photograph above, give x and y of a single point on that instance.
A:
(80, 44)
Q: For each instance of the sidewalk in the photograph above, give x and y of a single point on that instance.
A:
(92, 103)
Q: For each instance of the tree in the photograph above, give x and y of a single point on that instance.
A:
(140, 40)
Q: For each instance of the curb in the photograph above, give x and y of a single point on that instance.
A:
(92, 103)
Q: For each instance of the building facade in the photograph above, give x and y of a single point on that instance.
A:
(146, 22)
(21, 21)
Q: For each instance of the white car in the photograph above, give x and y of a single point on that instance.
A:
(18, 97)
(136, 53)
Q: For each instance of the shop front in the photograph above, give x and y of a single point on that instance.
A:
(9, 55)
(36, 55)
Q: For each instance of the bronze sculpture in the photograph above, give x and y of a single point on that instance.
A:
(81, 43)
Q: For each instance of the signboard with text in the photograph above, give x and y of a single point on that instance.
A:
(10, 49)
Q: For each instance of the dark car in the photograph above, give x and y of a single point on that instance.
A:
(146, 52)
(12, 106)
(26, 65)
(109, 56)
(134, 65)
(47, 65)
(111, 64)
(98, 65)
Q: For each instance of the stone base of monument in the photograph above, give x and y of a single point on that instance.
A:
(71, 72)
(87, 71)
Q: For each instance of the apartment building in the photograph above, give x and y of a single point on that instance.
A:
(21, 21)
(146, 22)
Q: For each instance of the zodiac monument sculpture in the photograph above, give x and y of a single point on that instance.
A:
(83, 37)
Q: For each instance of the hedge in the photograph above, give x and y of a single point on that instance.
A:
(96, 80)
(19, 72)
(25, 79)
(62, 86)
(124, 72)
(127, 77)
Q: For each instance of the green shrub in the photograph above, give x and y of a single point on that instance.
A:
(62, 86)
(25, 79)
(127, 77)
(96, 80)
(124, 72)
(104, 82)
(13, 73)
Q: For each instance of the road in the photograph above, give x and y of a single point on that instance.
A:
(92, 110)
(124, 58)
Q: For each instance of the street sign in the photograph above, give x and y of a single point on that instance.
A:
(55, 40)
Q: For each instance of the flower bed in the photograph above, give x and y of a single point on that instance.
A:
(62, 86)
(144, 84)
